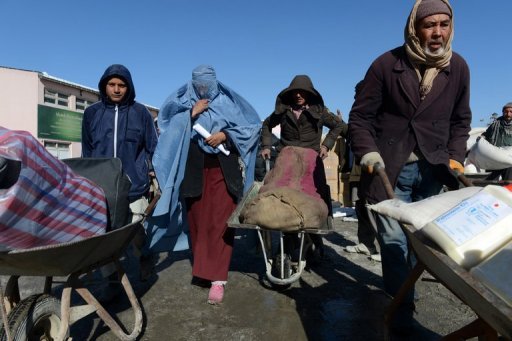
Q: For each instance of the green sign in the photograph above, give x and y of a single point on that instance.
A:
(59, 124)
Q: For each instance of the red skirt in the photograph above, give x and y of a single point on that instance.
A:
(212, 240)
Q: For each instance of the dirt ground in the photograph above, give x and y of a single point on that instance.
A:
(340, 298)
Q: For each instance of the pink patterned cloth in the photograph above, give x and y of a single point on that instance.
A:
(48, 204)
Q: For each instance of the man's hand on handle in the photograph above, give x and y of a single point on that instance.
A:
(324, 152)
(265, 153)
(369, 160)
(456, 166)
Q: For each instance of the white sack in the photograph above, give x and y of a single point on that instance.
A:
(486, 156)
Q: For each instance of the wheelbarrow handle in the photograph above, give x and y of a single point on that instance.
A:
(156, 197)
(381, 172)
(464, 180)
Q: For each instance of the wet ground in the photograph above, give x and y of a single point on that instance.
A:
(340, 298)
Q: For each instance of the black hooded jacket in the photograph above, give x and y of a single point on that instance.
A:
(136, 134)
(306, 131)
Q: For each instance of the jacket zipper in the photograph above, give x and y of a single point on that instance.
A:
(115, 130)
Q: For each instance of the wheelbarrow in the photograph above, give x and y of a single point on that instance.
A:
(43, 316)
(494, 315)
(280, 270)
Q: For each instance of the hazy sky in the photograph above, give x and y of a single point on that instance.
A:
(256, 47)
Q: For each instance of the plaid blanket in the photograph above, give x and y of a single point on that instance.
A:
(48, 204)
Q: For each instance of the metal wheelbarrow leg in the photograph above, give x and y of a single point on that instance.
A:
(280, 271)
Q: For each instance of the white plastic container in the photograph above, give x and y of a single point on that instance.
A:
(476, 227)
(494, 273)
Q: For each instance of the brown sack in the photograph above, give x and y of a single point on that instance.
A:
(289, 199)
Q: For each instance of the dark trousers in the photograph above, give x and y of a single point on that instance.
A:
(506, 174)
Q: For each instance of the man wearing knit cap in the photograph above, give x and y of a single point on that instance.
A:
(499, 134)
(411, 116)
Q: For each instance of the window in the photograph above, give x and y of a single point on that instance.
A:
(82, 104)
(55, 97)
(59, 150)
(62, 100)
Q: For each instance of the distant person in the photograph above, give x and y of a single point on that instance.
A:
(118, 126)
(411, 116)
(340, 147)
(192, 167)
(366, 234)
(302, 115)
(155, 120)
(499, 133)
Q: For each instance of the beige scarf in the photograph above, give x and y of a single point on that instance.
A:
(416, 55)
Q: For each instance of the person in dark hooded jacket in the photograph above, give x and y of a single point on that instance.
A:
(118, 126)
(301, 113)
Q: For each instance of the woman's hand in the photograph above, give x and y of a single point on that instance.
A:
(199, 107)
(215, 139)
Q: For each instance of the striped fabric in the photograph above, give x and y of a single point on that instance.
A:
(49, 204)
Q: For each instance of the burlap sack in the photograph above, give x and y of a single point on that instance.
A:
(289, 199)
(285, 209)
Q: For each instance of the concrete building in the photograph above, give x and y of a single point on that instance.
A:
(48, 107)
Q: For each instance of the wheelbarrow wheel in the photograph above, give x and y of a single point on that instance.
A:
(276, 271)
(34, 318)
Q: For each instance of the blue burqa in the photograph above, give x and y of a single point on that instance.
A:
(227, 111)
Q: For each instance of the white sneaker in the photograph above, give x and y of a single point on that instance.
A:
(359, 248)
(376, 257)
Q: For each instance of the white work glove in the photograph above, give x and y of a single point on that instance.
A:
(369, 160)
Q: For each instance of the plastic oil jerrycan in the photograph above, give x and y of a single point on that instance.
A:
(476, 227)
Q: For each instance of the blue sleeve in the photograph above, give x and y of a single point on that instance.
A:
(86, 133)
(151, 137)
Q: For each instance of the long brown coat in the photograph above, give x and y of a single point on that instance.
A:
(388, 117)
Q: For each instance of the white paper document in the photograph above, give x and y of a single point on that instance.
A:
(205, 133)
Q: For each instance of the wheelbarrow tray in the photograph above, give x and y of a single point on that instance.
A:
(494, 314)
(71, 257)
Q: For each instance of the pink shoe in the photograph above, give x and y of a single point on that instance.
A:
(216, 294)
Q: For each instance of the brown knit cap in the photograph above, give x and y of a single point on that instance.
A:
(431, 7)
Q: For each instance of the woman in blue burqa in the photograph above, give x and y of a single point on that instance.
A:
(200, 184)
